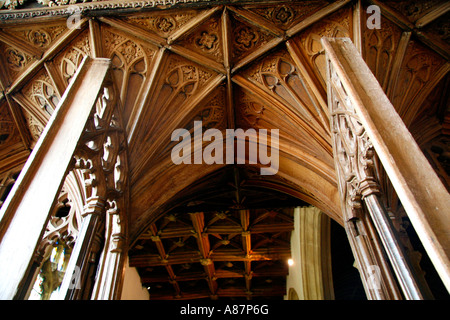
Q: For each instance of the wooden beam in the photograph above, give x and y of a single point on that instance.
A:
(226, 39)
(149, 87)
(393, 15)
(197, 58)
(56, 77)
(43, 175)
(198, 222)
(311, 79)
(436, 12)
(227, 48)
(256, 54)
(95, 38)
(28, 106)
(398, 61)
(219, 274)
(357, 25)
(146, 260)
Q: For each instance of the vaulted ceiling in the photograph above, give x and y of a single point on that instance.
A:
(240, 64)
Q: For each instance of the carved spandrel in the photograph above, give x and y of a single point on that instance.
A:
(40, 36)
(419, 68)
(414, 10)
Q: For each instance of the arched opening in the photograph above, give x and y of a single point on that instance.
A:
(227, 235)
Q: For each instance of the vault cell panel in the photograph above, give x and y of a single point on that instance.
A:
(287, 15)
(164, 24)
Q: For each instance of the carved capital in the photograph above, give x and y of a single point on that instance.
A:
(95, 206)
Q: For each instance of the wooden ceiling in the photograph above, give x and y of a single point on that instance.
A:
(209, 230)
(230, 241)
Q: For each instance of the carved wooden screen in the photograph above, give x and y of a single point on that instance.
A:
(88, 122)
(365, 128)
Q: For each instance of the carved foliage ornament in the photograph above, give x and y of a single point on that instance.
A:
(206, 39)
(284, 16)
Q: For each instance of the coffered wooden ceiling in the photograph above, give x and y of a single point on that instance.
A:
(230, 64)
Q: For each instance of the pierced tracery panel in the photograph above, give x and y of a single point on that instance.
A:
(354, 153)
